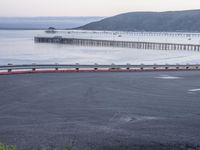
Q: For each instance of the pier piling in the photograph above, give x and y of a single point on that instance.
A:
(122, 44)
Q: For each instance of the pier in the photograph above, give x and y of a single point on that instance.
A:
(121, 44)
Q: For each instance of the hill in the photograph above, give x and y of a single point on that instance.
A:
(171, 21)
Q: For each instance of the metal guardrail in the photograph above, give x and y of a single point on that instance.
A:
(95, 67)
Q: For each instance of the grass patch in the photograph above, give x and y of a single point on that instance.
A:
(6, 147)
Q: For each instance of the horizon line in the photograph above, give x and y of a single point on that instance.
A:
(74, 16)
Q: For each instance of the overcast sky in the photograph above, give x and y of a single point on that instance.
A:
(89, 7)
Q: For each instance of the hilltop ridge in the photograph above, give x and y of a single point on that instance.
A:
(170, 21)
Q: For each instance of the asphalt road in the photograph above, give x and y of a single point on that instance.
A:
(101, 111)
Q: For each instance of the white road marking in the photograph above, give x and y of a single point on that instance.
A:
(194, 90)
(169, 77)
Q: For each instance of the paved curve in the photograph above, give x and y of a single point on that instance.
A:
(100, 110)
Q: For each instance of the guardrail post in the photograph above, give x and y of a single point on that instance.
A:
(56, 68)
(77, 68)
(187, 67)
(112, 67)
(95, 66)
(177, 66)
(142, 67)
(128, 66)
(166, 67)
(155, 66)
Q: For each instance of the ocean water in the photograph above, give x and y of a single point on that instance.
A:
(18, 47)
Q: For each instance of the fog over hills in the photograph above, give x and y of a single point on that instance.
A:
(186, 21)
(44, 22)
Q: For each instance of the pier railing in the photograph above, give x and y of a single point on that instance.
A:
(47, 68)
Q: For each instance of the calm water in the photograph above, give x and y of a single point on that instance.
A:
(18, 47)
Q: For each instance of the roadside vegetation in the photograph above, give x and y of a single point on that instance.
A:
(7, 147)
(71, 146)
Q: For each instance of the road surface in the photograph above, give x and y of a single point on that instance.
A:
(101, 111)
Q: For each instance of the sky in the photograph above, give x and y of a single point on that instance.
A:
(12, 8)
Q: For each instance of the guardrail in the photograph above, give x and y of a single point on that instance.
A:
(48, 68)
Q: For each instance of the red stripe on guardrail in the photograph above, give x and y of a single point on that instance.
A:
(105, 70)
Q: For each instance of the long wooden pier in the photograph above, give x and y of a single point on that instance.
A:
(122, 44)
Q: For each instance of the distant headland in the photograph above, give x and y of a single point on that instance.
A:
(170, 21)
